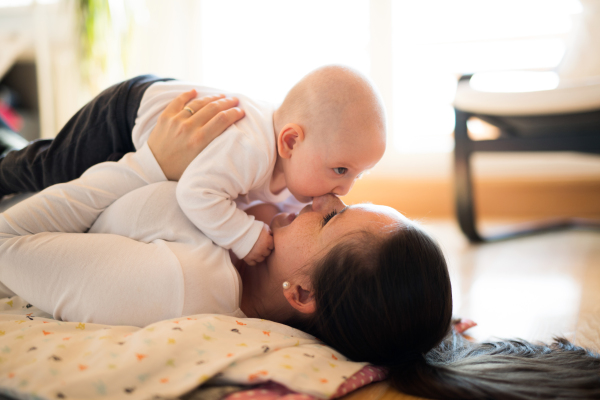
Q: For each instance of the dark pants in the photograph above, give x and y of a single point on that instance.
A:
(100, 131)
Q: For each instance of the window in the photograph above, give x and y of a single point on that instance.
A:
(263, 47)
(435, 41)
(413, 50)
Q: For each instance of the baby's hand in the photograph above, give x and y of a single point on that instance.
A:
(262, 248)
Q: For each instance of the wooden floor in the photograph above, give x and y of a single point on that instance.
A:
(533, 288)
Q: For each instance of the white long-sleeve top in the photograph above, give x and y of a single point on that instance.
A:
(232, 172)
(141, 261)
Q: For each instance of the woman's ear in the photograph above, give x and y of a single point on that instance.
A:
(289, 137)
(301, 299)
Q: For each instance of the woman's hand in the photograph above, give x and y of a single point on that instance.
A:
(180, 134)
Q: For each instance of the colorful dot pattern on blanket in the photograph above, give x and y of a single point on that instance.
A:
(44, 358)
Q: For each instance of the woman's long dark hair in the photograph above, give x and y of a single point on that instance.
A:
(387, 299)
(509, 369)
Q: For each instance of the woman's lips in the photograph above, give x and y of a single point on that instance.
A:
(282, 219)
(291, 217)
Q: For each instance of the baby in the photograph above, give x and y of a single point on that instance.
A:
(329, 129)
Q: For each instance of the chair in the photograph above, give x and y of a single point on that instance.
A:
(551, 114)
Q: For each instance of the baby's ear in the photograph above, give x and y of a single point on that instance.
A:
(287, 140)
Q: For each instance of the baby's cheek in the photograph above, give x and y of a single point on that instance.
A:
(301, 190)
(308, 187)
(289, 252)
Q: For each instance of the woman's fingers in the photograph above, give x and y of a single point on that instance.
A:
(179, 102)
(212, 115)
(218, 123)
(199, 105)
(206, 109)
(180, 135)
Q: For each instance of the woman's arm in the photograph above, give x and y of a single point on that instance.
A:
(46, 259)
(74, 206)
(104, 278)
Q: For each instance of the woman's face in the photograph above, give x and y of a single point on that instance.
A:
(302, 239)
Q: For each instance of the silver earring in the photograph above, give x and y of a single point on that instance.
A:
(286, 285)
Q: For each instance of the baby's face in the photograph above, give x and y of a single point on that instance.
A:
(332, 164)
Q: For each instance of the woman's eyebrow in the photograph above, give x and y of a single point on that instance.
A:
(351, 206)
(339, 213)
(343, 209)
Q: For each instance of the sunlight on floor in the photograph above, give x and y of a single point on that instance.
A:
(532, 288)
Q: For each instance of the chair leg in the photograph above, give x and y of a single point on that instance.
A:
(465, 204)
(465, 207)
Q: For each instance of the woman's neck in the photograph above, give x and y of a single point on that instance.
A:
(248, 305)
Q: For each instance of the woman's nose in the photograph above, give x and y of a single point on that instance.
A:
(327, 203)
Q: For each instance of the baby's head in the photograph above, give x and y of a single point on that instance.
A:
(330, 129)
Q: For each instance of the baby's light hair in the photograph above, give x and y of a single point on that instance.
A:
(325, 100)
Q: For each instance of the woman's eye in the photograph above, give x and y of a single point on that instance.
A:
(340, 171)
(328, 217)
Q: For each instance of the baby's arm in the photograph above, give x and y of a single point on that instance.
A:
(264, 245)
(231, 165)
(262, 248)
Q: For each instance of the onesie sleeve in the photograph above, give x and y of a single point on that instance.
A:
(74, 206)
(230, 166)
(46, 259)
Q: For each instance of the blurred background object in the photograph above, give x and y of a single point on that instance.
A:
(531, 111)
(11, 122)
(581, 58)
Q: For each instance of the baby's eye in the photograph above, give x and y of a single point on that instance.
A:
(340, 171)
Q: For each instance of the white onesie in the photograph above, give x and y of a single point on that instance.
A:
(231, 173)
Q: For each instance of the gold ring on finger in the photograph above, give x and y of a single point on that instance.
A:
(189, 109)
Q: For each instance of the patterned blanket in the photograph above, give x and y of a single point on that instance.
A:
(44, 358)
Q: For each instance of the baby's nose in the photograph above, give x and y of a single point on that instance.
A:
(343, 190)
(327, 203)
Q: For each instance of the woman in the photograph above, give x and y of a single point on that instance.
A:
(362, 278)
